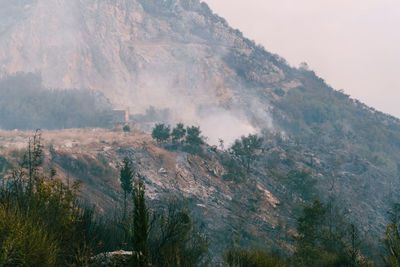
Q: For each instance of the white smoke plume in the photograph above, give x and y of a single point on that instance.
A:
(136, 59)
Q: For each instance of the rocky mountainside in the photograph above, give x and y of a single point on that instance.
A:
(179, 56)
(94, 156)
(168, 54)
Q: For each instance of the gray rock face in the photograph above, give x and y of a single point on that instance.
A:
(167, 54)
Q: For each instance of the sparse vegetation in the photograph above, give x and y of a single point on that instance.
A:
(45, 214)
(49, 224)
(43, 222)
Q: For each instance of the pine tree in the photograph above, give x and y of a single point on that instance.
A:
(246, 149)
(161, 132)
(178, 132)
(33, 159)
(140, 223)
(193, 140)
(126, 178)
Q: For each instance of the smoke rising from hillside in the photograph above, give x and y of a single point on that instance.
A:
(192, 107)
(136, 59)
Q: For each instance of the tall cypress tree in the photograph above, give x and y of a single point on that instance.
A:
(126, 177)
(140, 223)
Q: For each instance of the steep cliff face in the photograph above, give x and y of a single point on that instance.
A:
(110, 45)
(168, 54)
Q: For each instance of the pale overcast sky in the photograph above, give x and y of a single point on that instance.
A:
(353, 44)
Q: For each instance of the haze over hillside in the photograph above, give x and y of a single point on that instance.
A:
(175, 55)
(138, 53)
(191, 66)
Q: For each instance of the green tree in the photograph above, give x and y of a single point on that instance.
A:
(178, 132)
(308, 250)
(141, 225)
(193, 140)
(126, 178)
(33, 157)
(175, 239)
(161, 132)
(303, 183)
(325, 239)
(354, 246)
(392, 245)
(245, 150)
(392, 237)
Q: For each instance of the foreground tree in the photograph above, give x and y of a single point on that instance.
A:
(141, 225)
(325, 238)
(126, 178)
(175, 239)
(392, 237)
(308, 248)
(392, 245)
(170, 239)
(33, 157)
(42, 222)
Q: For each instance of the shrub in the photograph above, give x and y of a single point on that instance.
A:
(42, 218)
(24, 242)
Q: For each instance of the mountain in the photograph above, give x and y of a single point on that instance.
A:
(177, 56)
(168, 54)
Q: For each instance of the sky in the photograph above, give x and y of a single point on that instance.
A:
(353, 45)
